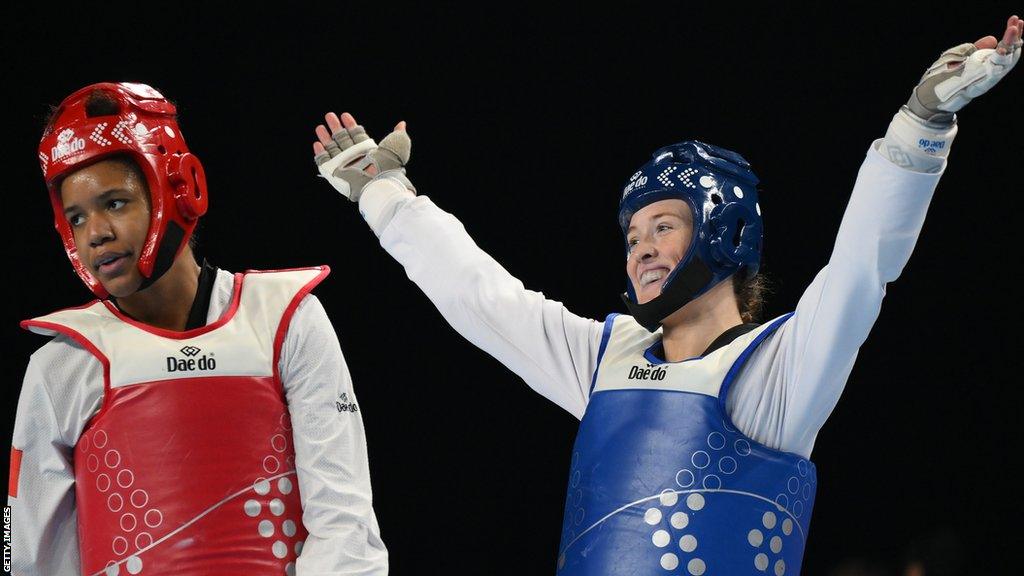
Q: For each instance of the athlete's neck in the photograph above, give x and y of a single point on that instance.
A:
(167, 302)
(689, 331)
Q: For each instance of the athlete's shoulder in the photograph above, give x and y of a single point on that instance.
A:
(297, 281)
(622, 334)
(625, 323)
(63, 381)
(316, 271)
(62, 365)
(88, 308)
(775, 325)
(73, 321)
(57, 349)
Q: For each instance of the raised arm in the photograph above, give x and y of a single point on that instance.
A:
(552, 349)
(793, 381)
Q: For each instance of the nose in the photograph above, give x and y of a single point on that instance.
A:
(644, 250)
(98, 230)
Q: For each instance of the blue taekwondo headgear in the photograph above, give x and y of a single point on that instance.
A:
(721, 191)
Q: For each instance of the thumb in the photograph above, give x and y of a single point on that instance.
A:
(399, 144)
(988, 42)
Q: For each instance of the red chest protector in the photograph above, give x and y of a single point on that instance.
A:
(188, 468)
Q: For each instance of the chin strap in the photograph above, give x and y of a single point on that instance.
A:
(165, 254)
(680, 290)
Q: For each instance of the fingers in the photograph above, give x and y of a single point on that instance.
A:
(1012, 35)
(332, 122)
(344, 131)
(323, 135)
(340, 133)
(325, 139)
(320, 154)
(1014, 24)
(344, 138)
(358, 134)
(334, 137)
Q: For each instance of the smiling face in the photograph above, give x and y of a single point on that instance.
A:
(659, 236)
(107, 206)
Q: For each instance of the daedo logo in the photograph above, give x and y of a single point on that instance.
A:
(204, 362)
(931, 146)
(343, 405)
(67, 144)
(651, 372)
(636, 181)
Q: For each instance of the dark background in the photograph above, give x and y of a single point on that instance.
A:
(525, 126)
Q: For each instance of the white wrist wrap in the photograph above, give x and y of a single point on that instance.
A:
(916, 145)
(919, 137)
(380, 200)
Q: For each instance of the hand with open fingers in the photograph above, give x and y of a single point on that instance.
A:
(965, 72)
(349, 159)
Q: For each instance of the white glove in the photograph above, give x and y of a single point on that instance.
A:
(960, 74)
(346, 160)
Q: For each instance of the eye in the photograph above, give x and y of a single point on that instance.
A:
(75, 219)
(663, 227)
(631, 243)
(117, 204)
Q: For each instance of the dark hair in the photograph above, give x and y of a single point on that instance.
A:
(750, 293)
(98, 103)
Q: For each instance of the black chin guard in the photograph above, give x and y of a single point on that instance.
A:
(165, 253)
(680, 290)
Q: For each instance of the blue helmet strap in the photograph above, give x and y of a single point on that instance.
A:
(687, 283)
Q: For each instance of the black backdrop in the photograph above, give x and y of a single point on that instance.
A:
(525, 126)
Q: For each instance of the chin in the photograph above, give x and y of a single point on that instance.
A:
(122, 287)
(649, 292)
(645, 298)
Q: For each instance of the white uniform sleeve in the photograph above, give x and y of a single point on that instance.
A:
(792, 382)
(552, 349)
(330, 452)
(44, 540)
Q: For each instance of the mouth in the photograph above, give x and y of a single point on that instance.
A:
(652, 276)
(111, 263)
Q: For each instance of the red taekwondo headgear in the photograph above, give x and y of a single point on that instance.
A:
(145, 129)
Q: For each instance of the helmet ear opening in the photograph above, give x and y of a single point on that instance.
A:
(737, 237)
(197, 187)
(189, 181)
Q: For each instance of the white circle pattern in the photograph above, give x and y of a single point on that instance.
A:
(266, 528)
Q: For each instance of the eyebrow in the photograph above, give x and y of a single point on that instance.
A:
(656, 216)
(101, 198)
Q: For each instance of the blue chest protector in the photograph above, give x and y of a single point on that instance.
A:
(661, 481)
